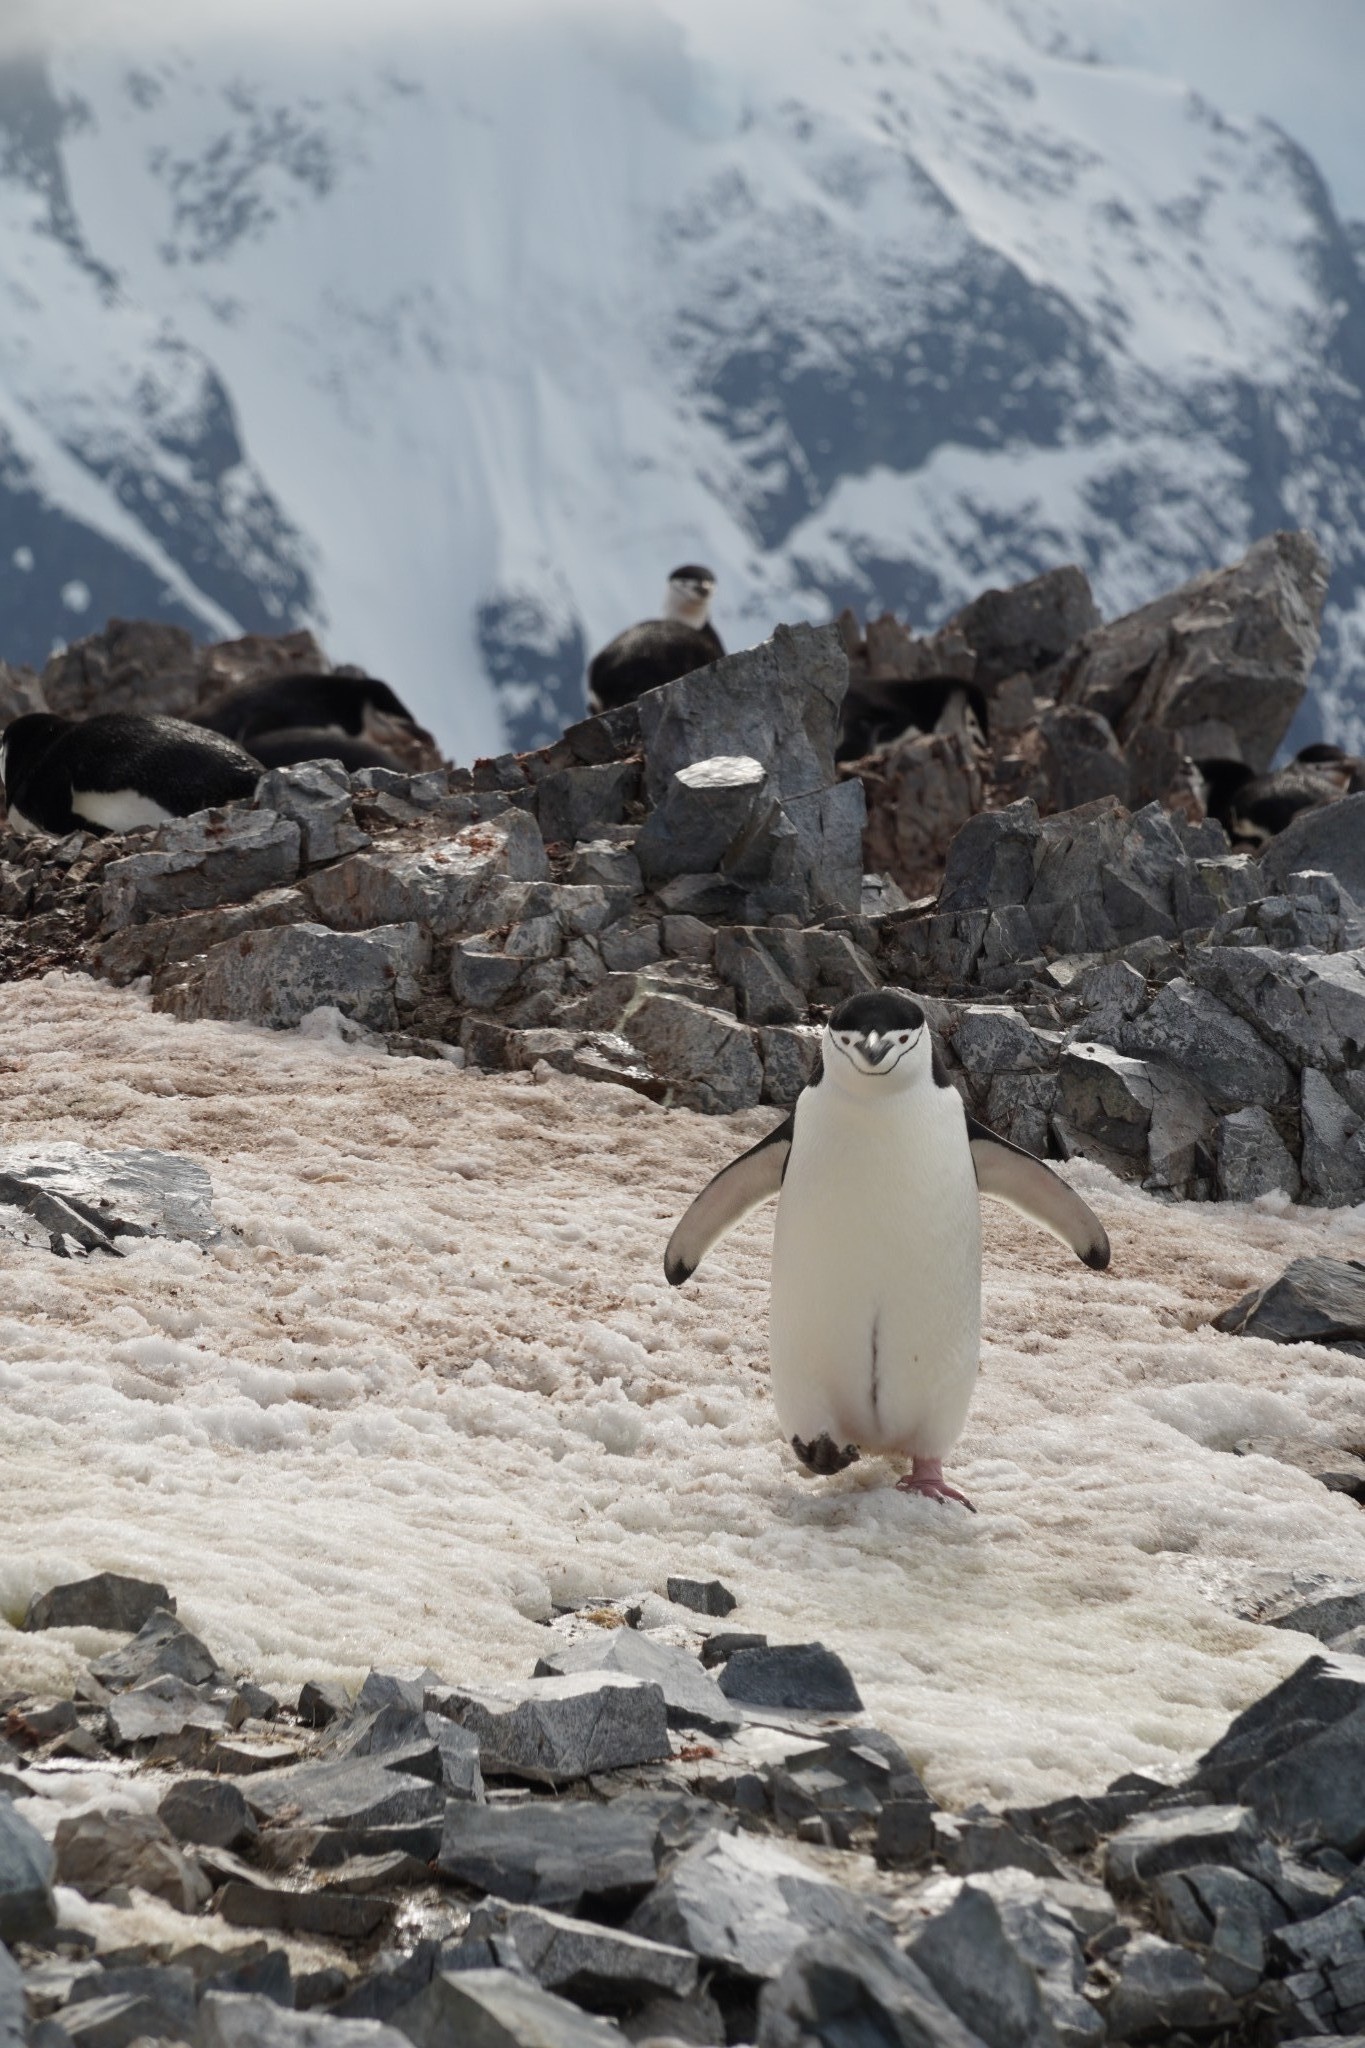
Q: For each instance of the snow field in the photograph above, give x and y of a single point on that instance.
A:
(433, 1380)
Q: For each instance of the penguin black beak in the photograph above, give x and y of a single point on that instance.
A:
(874, 1049)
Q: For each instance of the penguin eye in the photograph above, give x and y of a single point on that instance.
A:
(904, 1038)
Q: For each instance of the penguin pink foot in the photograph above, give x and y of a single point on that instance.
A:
(927, 1478)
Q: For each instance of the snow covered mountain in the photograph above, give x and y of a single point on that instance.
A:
(450, 340)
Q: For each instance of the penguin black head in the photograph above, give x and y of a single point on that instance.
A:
(688, 596)
(877, 1035)
(22, 745)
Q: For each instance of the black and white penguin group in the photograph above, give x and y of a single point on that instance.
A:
(119, 770)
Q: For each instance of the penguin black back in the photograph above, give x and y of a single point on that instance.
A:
(312, 703)
(116, 771)
(294, 743)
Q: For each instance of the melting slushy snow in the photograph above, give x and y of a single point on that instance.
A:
(433, 1380)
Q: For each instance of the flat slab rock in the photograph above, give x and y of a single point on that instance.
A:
(594, 1964)
(355, 1792)
(552, 1852)
(238, 2020)
(742, 1903)
(691, 1698)
(75, 1201)
(553, 1730)
(497, 2009)
(1314, 1301)
(108, 1600)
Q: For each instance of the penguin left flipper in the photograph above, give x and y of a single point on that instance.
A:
(1015, 1176)
(739, 1187)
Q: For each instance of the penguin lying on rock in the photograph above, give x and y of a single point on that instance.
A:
(875, 1317)
(1253, 808)
(115, 772)
(310, 707)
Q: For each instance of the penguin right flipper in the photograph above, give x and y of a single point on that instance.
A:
(739, 1187)
(1015, 1176)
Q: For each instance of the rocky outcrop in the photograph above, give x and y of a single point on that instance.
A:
(619, 1848)
(672, 896)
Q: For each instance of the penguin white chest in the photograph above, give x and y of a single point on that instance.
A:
(876, 1281)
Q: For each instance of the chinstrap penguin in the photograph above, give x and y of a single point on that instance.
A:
(292, 744)
(116, 772)
(361, 707)
(659, 650)
(875, 1317)
(1253, 808)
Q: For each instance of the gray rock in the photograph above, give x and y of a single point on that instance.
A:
(481, 972)
(1309, 1007)
(100, 1852)
(425, 1745)
(825, 868)
(851, 1986)
(237, 2020)
(454, 886)
(1176, 1838)
(316, 795)
(162, 1644)
(1046, 1923)
(167, 1998)
(497, 2009)
(1331, 838)
(1234, 645)
(1314, 1301)
(741, 1903)
(708, 1060)
(321, 1700)
(108, 1600)
(1326, 1615)
(789, 1057)
(691, 1699)
(1082, 759)
(552, 1852)
(791, 1675)
(711, 814)
(1340, 1471)
(778, 703)
(407, 1689)
(208, 1810)
(1161, 1989)
(608, 864)
(702, 1596)
(595, 1965)
(765, 994)
(1309, 1702)
(553, 1730)
(1027, 628)
(996, 1039)
(992, 860)
(76, 1200)
(27, 1869)
(834, 967)
(1333, 1143)
(276, 977)
(118, 2020)
(163, 1705)
(1105, 1102)
(1216, 1050)
(576, 804)
(1252, 1158)
(977, 1843)
(338, 1915)
(1225, 1913)
(976, 1969)
(359, 1793)
(213, 857)
(13, 2016)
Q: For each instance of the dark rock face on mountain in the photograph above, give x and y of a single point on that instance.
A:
(673, 895)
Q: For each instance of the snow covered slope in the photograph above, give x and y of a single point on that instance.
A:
(451, 339)
(433, 1379)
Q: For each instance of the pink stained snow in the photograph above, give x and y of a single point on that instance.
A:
(433, 1379)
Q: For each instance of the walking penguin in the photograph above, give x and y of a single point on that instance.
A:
(875, 1319)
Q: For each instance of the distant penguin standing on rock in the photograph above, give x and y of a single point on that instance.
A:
(659, 650)
(875, 1321)
(115, 772)
(1254, 808)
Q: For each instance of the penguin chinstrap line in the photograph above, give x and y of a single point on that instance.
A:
(875, 1316)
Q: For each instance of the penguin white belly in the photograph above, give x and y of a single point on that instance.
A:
(118, 810)
(876, 1279)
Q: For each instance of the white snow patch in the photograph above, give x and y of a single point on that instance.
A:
(375, 1425)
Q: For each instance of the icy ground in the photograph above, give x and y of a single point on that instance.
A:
(433, 1379)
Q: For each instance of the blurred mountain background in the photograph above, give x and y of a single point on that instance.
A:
(448, 332)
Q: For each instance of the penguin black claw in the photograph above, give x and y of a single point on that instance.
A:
(822, 1455)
